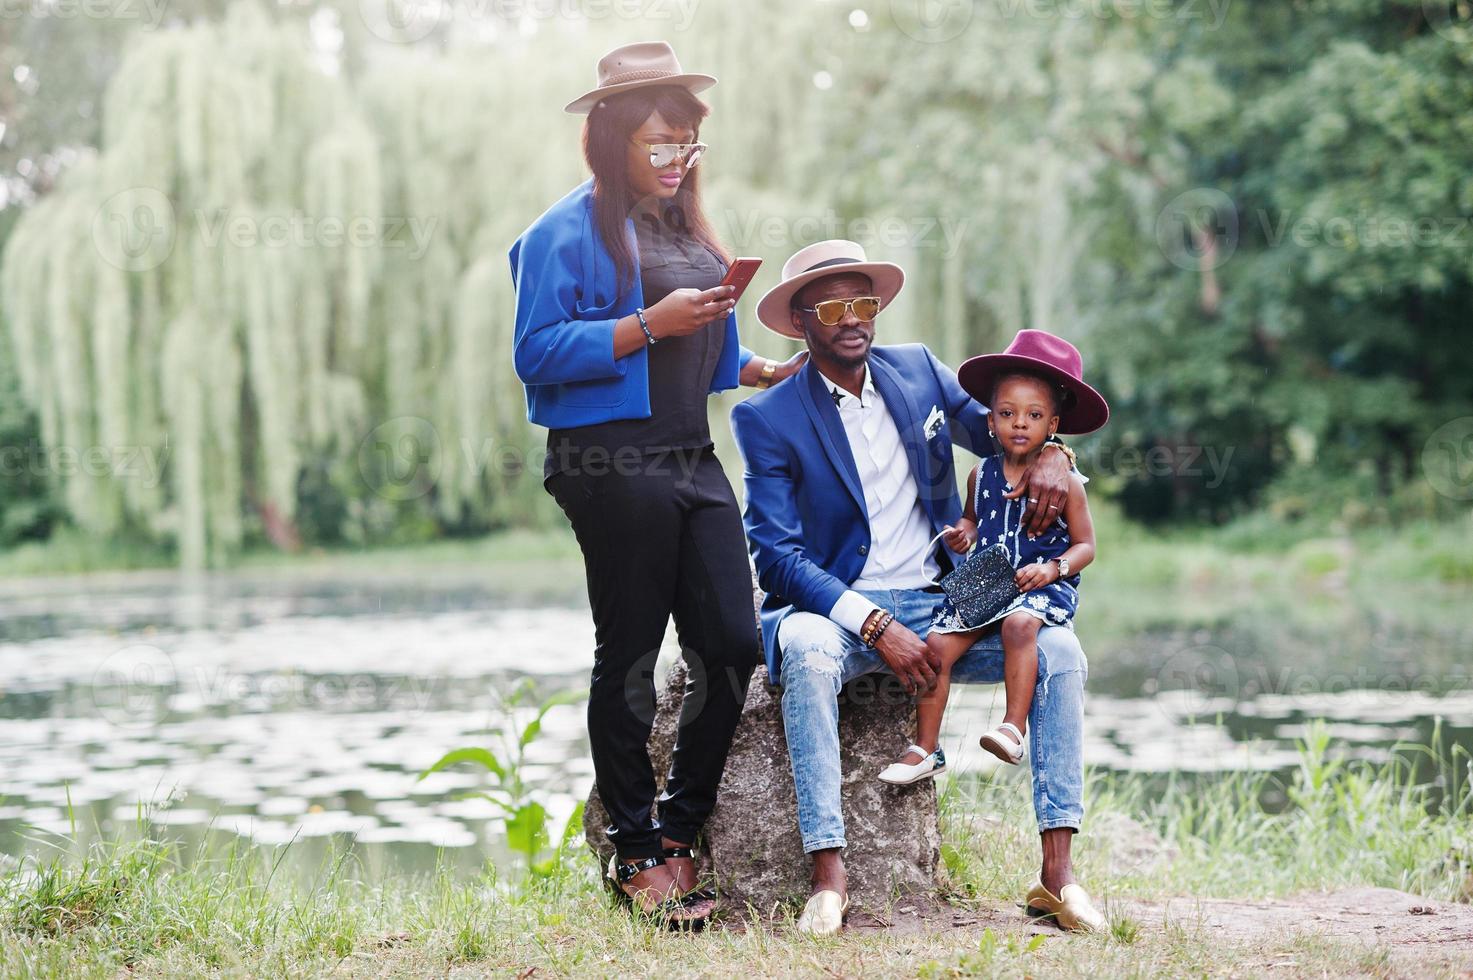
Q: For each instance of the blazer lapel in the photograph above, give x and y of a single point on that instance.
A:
(825, 415)
(903, 410)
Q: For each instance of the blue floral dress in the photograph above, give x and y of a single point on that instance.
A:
(1001, 520)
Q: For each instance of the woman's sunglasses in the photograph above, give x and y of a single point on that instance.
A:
(830, 312)
(663, 155)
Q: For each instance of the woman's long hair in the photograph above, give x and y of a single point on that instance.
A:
(606, 148)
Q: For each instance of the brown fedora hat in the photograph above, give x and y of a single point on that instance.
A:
(635, 66)
(819, 260)
(1040, 352)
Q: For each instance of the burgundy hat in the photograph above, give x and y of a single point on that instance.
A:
(1036, 351)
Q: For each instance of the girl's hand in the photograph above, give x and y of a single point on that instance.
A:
(960, 538)
(1036, 576)
(685, 311)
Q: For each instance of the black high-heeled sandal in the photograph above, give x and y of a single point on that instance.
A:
(667, 912)
(698, 893)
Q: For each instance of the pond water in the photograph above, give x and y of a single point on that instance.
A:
(291, 708)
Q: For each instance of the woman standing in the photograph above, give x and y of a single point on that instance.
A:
(622, 331)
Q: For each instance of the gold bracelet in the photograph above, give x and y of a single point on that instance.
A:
(768, 373)
(1067, 451)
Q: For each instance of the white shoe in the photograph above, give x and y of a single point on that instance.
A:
(902, 774)
(1009, 750)
(824, 914)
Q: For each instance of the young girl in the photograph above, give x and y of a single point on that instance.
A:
(1033, 391)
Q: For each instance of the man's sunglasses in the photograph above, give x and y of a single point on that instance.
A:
(831, 311)
(663, 155)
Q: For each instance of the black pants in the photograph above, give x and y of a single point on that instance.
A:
(662, 537)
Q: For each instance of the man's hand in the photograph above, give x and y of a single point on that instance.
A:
(959, 538)
(1036, 576)
(1047, 484)
(908, 656)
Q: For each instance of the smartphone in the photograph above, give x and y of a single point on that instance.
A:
(740, 275)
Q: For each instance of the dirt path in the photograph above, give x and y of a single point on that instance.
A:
(1420, 935)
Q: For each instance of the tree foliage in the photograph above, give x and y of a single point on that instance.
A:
(1257, 228)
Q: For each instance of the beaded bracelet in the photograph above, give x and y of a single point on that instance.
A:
(645, 326)
(870, 633)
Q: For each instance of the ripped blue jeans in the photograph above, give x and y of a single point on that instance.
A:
(819, 657)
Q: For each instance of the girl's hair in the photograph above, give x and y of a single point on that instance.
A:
(1060, 395)
(606, 148)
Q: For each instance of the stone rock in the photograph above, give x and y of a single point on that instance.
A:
(751, 841)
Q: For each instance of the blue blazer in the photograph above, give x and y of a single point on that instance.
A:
(566, 307)
(806, 520)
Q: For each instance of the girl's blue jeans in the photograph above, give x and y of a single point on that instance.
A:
(820, 656)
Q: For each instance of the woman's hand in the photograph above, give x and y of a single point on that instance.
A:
(754, 372)
(788, 368)
(960, 537)
(1036, 576)
(685, 311)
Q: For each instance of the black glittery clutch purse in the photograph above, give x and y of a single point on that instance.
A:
(982, 586)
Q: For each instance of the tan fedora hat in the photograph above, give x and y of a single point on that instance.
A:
(819, 260)
(635, 66)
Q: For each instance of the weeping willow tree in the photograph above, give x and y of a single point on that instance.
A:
(262, 275)
(201, 289)
(196, 290)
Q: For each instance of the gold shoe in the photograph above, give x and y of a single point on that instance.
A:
(1071, 908)
(824, 914)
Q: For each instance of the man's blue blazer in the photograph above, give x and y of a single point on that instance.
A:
(807, 525)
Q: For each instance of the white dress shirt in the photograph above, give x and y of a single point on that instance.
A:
(900, 556)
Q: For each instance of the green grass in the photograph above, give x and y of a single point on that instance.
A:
(143, 908)
(1342, 823)
(72, 552)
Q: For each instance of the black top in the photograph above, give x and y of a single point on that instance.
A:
(680, 368)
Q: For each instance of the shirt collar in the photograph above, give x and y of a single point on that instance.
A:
(867, 391)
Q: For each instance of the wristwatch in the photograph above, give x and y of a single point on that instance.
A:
(769, 371)
(1063, 566)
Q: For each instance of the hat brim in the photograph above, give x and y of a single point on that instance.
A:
(1088, 412)
(775, 309)
(584, 104)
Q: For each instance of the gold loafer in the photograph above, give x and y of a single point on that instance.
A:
(1071, 908)
(824, 914)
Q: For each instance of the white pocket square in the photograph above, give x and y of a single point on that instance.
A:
(934, 421)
